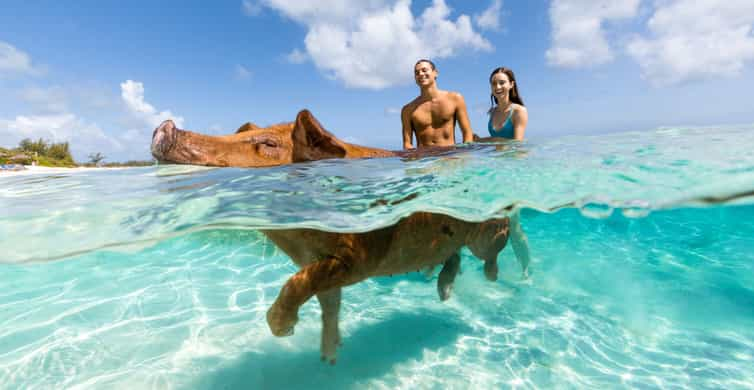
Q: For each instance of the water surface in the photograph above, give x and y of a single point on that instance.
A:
(642, 246)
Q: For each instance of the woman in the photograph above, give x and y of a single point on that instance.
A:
(508, 119)
(508, 116)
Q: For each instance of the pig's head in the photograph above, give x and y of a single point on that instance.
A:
(253, 146)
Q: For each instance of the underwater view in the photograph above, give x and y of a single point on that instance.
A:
(641, 273)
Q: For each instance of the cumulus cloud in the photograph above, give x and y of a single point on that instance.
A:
(490, 18)
(324, 11)
(578, 34)
(52, 119)
(57, 124)
(143, 119)
(694, 39)
(84, 137)
(15, 61)
(132, 93)
(374, 43)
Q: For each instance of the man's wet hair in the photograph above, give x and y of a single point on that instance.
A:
(432, 64)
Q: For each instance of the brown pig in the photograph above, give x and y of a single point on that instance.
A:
(330, 261)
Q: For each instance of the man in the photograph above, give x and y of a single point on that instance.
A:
(432, 116)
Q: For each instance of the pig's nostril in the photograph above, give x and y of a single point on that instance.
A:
(163, 138)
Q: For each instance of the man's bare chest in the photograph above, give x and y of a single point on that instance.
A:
(433, 114)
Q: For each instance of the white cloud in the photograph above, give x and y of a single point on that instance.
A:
(325, 11)
(296, 57)
(84, 137)
(58, 124)
(243, 73)
(374, 43)
(490, 18)
(578, 35)
(132, 93)
(251, 8)
(146, 119)
(693, 39)
(51, 100)
(16, 61)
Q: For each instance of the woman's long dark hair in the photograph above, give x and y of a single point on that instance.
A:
(513, 94)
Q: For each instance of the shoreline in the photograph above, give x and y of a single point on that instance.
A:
(35, 169)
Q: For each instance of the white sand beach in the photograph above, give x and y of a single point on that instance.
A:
(36, 170)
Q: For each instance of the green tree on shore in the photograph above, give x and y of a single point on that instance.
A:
(96, 158)
(30, 147)
(47, 153)
(50, 154)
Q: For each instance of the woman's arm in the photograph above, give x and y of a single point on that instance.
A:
(520, 120)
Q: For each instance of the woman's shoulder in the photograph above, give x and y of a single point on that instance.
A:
(518, 107)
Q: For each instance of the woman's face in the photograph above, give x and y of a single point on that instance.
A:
(500, 85)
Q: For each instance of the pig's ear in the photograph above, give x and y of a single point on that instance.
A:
(312, 142)
(247, 127)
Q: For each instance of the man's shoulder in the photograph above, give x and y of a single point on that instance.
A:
(412, 104)
(454, 96)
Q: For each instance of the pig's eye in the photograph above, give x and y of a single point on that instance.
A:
(267, 146)
(269, 142)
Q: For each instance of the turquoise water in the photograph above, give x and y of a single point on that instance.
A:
(642, 271)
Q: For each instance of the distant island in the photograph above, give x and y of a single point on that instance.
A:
(49, 154)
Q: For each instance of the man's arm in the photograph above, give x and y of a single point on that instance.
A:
(463, 119)
(407, 128)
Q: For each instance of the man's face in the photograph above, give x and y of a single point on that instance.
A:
(424, 74)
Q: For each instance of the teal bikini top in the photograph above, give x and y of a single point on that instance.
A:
(506, 131)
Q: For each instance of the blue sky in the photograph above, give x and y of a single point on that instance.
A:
(103, 74)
